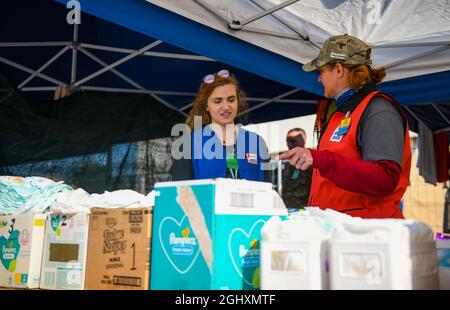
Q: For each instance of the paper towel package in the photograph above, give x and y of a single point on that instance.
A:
(21, 244)
(65, 249)
(294, 252)
(206, 233)
(383, 254)
(293, 256)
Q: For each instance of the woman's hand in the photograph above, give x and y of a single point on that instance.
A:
(299, 157)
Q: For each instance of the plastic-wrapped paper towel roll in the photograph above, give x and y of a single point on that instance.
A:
(295, 251)
(383, 254)
(80, 201)
(310, 225)
(71, 202)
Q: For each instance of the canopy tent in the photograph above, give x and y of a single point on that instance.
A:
(53, 53)
(90, 139)
(410, 38)
(162, 49)
(265, 54)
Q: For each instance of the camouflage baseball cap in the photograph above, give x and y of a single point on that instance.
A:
(344, 49)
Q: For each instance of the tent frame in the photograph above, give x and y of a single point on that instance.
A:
(239, 25)
(77, 47)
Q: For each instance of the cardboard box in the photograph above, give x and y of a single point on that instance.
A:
(207, 233)
(119, 249)
(107, 249)
(21, 244)
(65, 251)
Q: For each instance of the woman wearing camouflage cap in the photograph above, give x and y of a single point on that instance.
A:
(363, 160)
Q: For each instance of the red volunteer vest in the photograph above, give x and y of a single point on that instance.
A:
(326, 195)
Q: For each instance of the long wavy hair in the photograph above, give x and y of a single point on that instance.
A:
(205, 91)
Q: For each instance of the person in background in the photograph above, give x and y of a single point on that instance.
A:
(363, 161)
(220, 148)
(296, 183)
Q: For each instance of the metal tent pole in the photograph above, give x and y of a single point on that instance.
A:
(44, 66)
(117, 63)
(284, 22)
(147, 53)
(267, 12)
(74, 46)
(32, 44)
(293, 91)
(440, 113)
(31, 71)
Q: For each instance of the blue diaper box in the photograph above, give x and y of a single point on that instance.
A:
(206, 233)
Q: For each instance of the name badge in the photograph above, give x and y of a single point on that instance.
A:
(344, 126)
(336, 137)
(251, 158)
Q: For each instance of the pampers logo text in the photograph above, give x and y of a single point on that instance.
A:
(250, 256)
(9, 252)
(182, 245)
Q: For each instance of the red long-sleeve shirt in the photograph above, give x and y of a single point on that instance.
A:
(377, 178)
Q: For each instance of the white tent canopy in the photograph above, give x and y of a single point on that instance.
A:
(409, 37)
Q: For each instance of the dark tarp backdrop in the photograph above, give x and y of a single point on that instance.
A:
(90, 140)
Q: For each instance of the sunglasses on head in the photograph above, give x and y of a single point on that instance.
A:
(208, 79)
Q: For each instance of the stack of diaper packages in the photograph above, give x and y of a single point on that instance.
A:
(98, 241)
(207, 233)
(23, 203)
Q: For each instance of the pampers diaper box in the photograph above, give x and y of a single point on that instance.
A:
(21, 244)
(106, 249)
(206, 233)
(65, 251)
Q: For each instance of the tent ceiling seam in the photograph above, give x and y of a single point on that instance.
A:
(212, 10)
(428, 53)
(418, 44)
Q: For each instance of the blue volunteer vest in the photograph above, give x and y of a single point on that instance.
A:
(209, 155)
